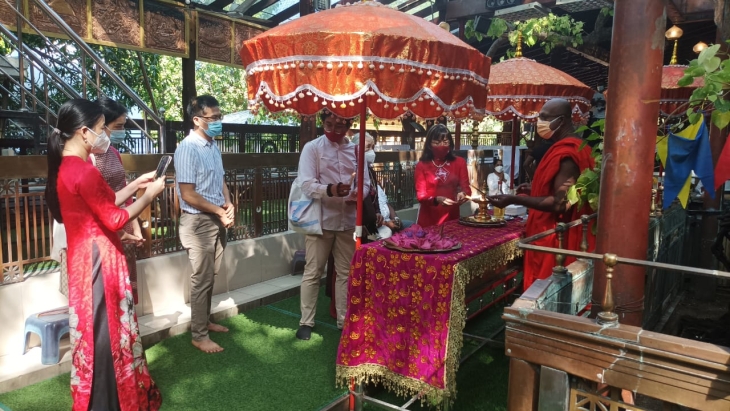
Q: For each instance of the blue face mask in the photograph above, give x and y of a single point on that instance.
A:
(117, 136)
(215, 128)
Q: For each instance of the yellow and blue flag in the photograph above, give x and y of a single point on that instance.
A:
(682, 153)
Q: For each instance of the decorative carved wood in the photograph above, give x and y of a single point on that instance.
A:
(156, 26)
(675, 370)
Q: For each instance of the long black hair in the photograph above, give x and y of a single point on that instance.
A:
(112, 110)
(436, 131)
(73, 115)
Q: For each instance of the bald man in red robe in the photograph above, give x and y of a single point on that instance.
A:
(548, 202)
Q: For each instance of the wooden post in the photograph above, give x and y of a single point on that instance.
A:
(145, 224)
(623, 225)
(189, 89)
(407, 137)
(524, 386)
(258, 203)
(457, 135)
(307, 131)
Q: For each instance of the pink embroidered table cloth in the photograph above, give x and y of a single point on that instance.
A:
(406, 311)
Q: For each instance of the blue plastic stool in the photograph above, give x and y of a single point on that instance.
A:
(50, 326)
(298, 262)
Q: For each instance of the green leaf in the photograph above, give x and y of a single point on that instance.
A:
(694, 118)
(711, 64)
(685, 81)
(720, 119)
(722, 104)
(593, 201)
(708, 53)
(573, 197)
(696, 71)
(497, 28)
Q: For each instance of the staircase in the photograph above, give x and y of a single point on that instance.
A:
(37, 77)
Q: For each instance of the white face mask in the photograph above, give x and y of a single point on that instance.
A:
(498, 169)
(370, 157)
(101, 144)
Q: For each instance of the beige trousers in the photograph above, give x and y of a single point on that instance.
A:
(318, 248)
(204, 238)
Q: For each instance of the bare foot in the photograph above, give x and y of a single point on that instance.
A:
(217, 328)
(207, 345)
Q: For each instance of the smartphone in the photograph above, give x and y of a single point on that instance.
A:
(162, 166)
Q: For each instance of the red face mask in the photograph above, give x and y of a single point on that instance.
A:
(334, 137)
(440, 152)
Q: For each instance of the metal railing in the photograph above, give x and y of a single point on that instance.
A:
(259, 185)
(47, 97)
(607, 316)
(248, 138)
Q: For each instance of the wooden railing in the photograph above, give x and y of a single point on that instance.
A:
(562, 361)
(259, 185)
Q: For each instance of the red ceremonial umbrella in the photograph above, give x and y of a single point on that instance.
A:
(673, 96)
(519, 87)
(360, 57)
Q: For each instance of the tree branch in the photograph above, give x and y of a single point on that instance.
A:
(502, 41)
(600, 32)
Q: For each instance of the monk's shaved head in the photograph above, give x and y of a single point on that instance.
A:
(555, 108)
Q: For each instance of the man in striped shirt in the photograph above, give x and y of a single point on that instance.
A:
(206, 213)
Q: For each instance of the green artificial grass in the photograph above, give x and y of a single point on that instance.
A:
(322, 315)
(48, 395)
(264, 367)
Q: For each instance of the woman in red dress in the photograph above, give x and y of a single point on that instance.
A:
(109, 369)
(442, 181)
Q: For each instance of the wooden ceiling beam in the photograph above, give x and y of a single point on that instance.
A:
(285, 14)
(259, 6)
(464, 9)
(220, 4)
(457, 10)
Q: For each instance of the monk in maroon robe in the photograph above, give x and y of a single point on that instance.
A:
(548, 202)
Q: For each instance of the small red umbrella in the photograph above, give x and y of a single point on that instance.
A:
(519, 87)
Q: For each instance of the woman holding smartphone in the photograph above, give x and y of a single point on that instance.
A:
(109, 163)
(109, 369)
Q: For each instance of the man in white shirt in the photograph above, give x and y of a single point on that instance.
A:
(326, 167)
(497, 181)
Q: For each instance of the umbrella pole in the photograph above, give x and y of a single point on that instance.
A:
(515, 133)
(360, 173)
